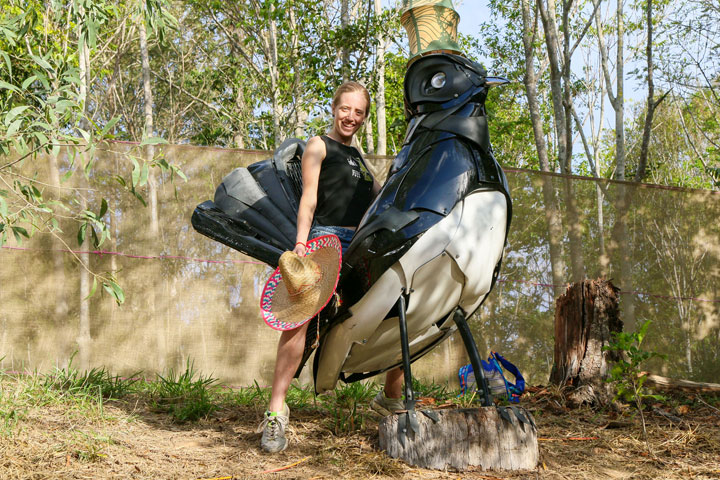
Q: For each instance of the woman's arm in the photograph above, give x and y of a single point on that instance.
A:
(311, 162)
(376, 187)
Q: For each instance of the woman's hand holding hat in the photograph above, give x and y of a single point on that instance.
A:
(300, 249)
(303, 283)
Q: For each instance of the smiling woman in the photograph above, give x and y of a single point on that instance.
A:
(337, 189)
(337, 185)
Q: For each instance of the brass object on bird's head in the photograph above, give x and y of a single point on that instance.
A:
(431, 26)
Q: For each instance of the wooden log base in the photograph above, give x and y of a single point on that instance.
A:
(678, 385)
(462, 438)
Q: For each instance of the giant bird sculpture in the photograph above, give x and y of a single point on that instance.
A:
(427, 251)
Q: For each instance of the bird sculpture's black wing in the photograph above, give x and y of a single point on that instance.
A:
(255, 208)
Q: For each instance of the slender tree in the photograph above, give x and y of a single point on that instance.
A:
(652, 104)
(530, 33)
(547, 11)
(380, 115)
(617, 99)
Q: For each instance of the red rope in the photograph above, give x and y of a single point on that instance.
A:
(624, 292)
(203, 260)
(129, 255)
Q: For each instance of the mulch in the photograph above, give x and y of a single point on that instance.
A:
(130, 440)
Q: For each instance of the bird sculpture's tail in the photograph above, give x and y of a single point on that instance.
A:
(255, 208)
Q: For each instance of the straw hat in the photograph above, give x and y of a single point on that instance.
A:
(301, 286)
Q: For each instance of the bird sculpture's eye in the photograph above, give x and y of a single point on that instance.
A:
(438, 80)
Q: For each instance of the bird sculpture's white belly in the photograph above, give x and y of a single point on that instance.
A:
(450, 265)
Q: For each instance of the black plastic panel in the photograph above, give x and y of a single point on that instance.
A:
(217, 225)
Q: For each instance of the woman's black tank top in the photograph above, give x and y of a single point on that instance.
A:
(344, 187)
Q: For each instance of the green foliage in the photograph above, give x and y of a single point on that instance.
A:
(712, 168)
(347, 406)
(157, 15)
(255, 395)
(38, 87)
(187, 396)
(434, 390)
(509, 121)
(89, 447)
(9, 418)
(626, 374)
(46, 107)
(683, 146)
(395, 67)
(300, 397)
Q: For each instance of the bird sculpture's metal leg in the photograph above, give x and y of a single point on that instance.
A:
(409, 393)
(472, 351)
(407, 420)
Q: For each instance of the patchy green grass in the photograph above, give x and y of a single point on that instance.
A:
(95, 382)
(182, 424)
(21, 394)
(348, 407)
(187, 395)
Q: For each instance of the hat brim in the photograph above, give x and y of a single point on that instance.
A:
(280, 311)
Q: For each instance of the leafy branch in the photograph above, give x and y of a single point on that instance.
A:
(626, 373)
(43, 109)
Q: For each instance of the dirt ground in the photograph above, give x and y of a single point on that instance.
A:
(129, 440)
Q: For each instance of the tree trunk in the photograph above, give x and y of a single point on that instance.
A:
(666, 384)
(149, 127)
(547, 14)
(275, 83)
(577, 262)
(301, 116)
(651, 103)
(83, 337)
(617, 100)
(567, 100)
(61, 305)
(585, 317)
(369, 143)
(239, 124)
(530, 82)
(620, 97)
(619, 250)
(153, 233)
(555, 235)
(462, 438)
(380, 115)
(344, 50)
(604, 259)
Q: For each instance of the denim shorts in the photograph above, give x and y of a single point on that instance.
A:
(344, 234)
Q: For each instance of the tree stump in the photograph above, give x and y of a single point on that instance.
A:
(585, 317)
(464, 437)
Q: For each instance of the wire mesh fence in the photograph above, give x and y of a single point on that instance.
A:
(188, 297)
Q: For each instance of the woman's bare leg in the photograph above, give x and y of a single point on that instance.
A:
(394, 383)
(289, 354)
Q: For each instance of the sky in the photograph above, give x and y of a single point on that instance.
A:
(471, 12)
(474, 12)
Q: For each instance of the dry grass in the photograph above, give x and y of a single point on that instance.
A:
(45, 435)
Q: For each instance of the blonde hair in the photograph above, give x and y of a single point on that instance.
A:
(351, 87)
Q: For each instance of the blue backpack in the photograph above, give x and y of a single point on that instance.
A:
(497, 383)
